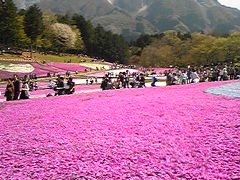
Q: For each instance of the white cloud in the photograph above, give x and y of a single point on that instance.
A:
(231, 3)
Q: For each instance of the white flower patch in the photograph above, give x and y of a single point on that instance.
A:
(94, 66)
(18, 68)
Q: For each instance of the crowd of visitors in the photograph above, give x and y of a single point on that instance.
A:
(17, 88)
(195, 75)
(62, 86)
(123, 80)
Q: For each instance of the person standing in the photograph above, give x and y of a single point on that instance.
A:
(17, 85)
(25, 91)
(154, 79)
(9, 92)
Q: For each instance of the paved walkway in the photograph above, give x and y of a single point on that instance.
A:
(76, 92)
(229, 90)
(83, 91)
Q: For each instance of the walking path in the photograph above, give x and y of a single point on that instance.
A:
(43, 93)
(229, 90)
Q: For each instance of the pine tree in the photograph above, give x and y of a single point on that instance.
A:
(9, 25)
(87, 33)
(33, 23)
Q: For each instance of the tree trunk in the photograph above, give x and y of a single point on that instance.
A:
(31, 50)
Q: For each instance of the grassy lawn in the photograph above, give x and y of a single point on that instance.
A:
(54, 58)
(9, 56)
(41, 57)
(4, 63)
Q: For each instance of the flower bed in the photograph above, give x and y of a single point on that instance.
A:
(38, 72)
(176, 132)
(48, 68)
(97, 65)
(68, 66)
(41, 70)
(162, 70)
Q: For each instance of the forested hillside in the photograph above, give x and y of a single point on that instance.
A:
(131, 18)
(47, 32)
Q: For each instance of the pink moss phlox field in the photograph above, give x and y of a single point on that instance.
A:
(68, 66)
(97, 75)
(43, 70)
(38, 72)
(176, 132)
(47, 68)
(162, 70)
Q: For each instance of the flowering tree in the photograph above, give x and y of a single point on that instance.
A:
(64, 36)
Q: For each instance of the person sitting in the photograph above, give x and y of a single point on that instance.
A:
(169, 79)
(104, 83)
(133, 84)
(35, 85)
(51, 84)
(70, 85)
(175, 80)
(91, 81)
(142, 81)
(60, 86)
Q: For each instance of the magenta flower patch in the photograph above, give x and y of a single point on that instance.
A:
(176, 132)
(68, 66)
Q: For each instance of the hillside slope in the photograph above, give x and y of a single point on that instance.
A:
(134, 17)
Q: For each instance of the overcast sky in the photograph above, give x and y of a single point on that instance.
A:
(231, 3)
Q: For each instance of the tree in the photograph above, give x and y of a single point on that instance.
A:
(33, 23)
(65, 19)
(47, 36)
(109, 46)
(9, 25)
(143, 41)
(232, 48)
(23, 39)
(64, 36)
(87, 32)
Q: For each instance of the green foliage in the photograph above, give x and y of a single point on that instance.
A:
(102, 43)
(87, 32)
(65, 19)
(9, 26)
(23, 41)
(33, 22)
(178, 49)
(143, 41)
(109, 46)
(47, 36)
